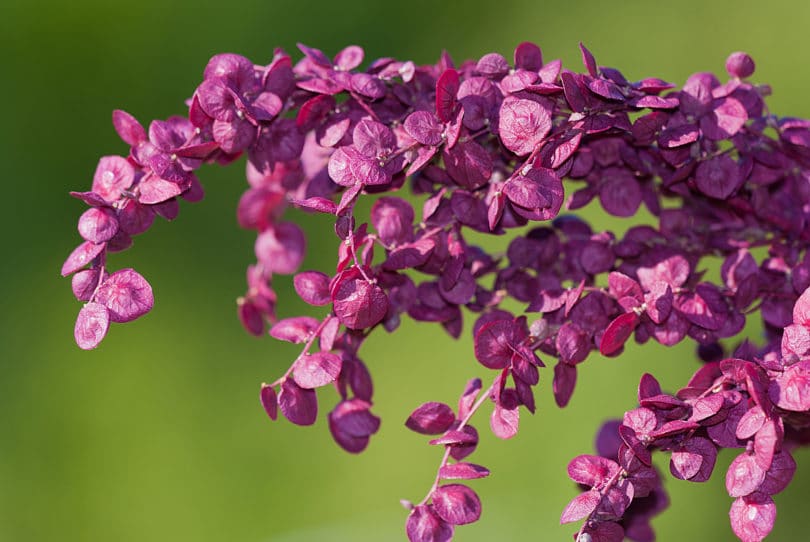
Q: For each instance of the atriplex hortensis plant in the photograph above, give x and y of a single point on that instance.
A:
(488, 144)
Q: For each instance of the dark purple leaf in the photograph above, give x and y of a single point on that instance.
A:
(358, 304)
(298, 405)
(617, 333)
(431, 419)
(446, 90)
(269, 401)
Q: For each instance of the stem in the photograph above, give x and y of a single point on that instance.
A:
(480, 401)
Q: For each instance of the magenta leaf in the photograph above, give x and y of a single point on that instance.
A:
(779, 475)
(113, 176)
(457, 504)
(446, 90)
(358, 304)
(424, 127)
(581, 506)
(591, 470)
(424, 525)
(505, 419)
(462, 471)
(295, 330)
(269, 401)
(299, 405)
(126, 294)
(523, 124)
(431, 419)
(316, 370)
(352, 424)
(494, 344)
(91, 325)
(312, 287)
(694, 461)
(617, 333)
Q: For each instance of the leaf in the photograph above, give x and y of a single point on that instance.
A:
(424, 525)
(424, 127)
(752, 517)
(113, 176)
(493, 344)
(298, 405)
(581, 506)
(281, 248)
(791, 389)
(316, 370)
(744, 475)
(312, 287)
(126, 294)
(617, 333)
(523, 124)
(358, 304)
(91, 325)
(505, 419)
(81, 256)
(457, 504)
(462, 471)
(446, 90)
(591, 470)
(294, 330)
(431, 418)
(269, 401)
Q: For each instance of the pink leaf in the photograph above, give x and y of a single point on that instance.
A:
(463, 471)
(523, 124)
(91, 325)
(269, 401)
(752, 517)
(744, 475)
(126, 294)
(617, 333)
(581, 506)
(316, 370)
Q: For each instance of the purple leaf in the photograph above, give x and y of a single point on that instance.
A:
(393, 219)
(523, 124)
(493, 344)
(565, 379)
(91, 325)
(739, 64)
(98, 224)
(424, 127)
(620, 194)
(455, 438)
(588, 60)
(424, 525)
(316, 370)
(298, 405)
(457, 504)
(779, 475)
(349, 58)
(351, 424)
(152, 189)
(269, 401)
(126, 294)
(462, 471)
(694, 460)
(581, 506)
(718, 177)
(528, 56)
(431, 419)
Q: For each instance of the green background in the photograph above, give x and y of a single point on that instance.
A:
(158, 434)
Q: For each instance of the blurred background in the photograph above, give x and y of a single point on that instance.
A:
(158, 434)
